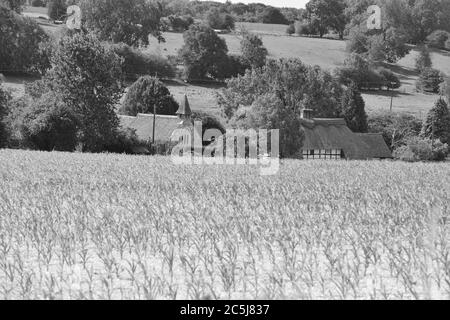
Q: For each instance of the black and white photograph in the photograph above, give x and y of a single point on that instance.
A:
(225, 156)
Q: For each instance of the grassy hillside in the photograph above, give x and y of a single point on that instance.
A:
(112, 226)
(326, 53)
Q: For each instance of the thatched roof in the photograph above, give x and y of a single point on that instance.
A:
(143, 124)
(323, 134)
(378, 146)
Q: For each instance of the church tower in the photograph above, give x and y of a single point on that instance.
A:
(184, 112)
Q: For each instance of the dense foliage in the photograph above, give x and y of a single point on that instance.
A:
(204, 53)
(397, 129)
(136, 63)
(146, 94)
(437, 123)
(294, 83)
(57, 9)
(253, 51)
(125, 21)
(22, 44)
(86, 75)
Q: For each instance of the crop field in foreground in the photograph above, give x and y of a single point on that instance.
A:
(75, 226)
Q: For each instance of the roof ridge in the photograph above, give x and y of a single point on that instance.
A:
(158, 115)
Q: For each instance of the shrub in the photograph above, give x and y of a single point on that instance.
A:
(302, 29)
(445, 89)
(447, 44)
(236, 66)
(290, 30)
(429, 80)
(208, 121)
(126, 141)
(180, 23)
(48, 124)
(273, 15)
(357, 70)
(146, 93)
(438, 39)
(56, 9)
(37, 3)
(423, 60)
(136, 63)
(389, 78)
(4, 100)
(218, 20)
(20, 44)
(397, 129)
(418, 149)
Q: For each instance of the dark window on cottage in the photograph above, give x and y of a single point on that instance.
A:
(325, 154)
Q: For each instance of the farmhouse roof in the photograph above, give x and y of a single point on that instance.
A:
(323, 134)
(378, 146)
(185, 109)
(143, 124)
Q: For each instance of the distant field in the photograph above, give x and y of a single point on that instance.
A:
(81, 226)
(263, 28)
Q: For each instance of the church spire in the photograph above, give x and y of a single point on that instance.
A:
(185, 110)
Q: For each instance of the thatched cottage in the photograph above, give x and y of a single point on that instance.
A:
(332, 139)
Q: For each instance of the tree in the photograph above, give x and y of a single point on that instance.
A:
(219, 20)
(208, 121)
(353, 109)
(56, 9)
(273, 16)
(438, 38)
(437, 123)
(86, 76)
(397, 129)
(445, 89)
(418, 149)
(327, 14)
(130, 22)
(146, 93)
(21, 42)
(204, 53)
(48, 124)
(423, 60)
(429, 80)
(253, 51)
(14, 5)
(4, 99)
(295, 84)
(269, 112)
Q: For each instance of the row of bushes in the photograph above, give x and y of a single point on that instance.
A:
(136, 63)
(358, 70)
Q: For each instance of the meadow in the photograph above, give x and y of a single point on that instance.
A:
(84, 226)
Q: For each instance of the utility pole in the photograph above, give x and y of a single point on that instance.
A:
(154, 122)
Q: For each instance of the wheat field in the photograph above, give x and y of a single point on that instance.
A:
(76, 226)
